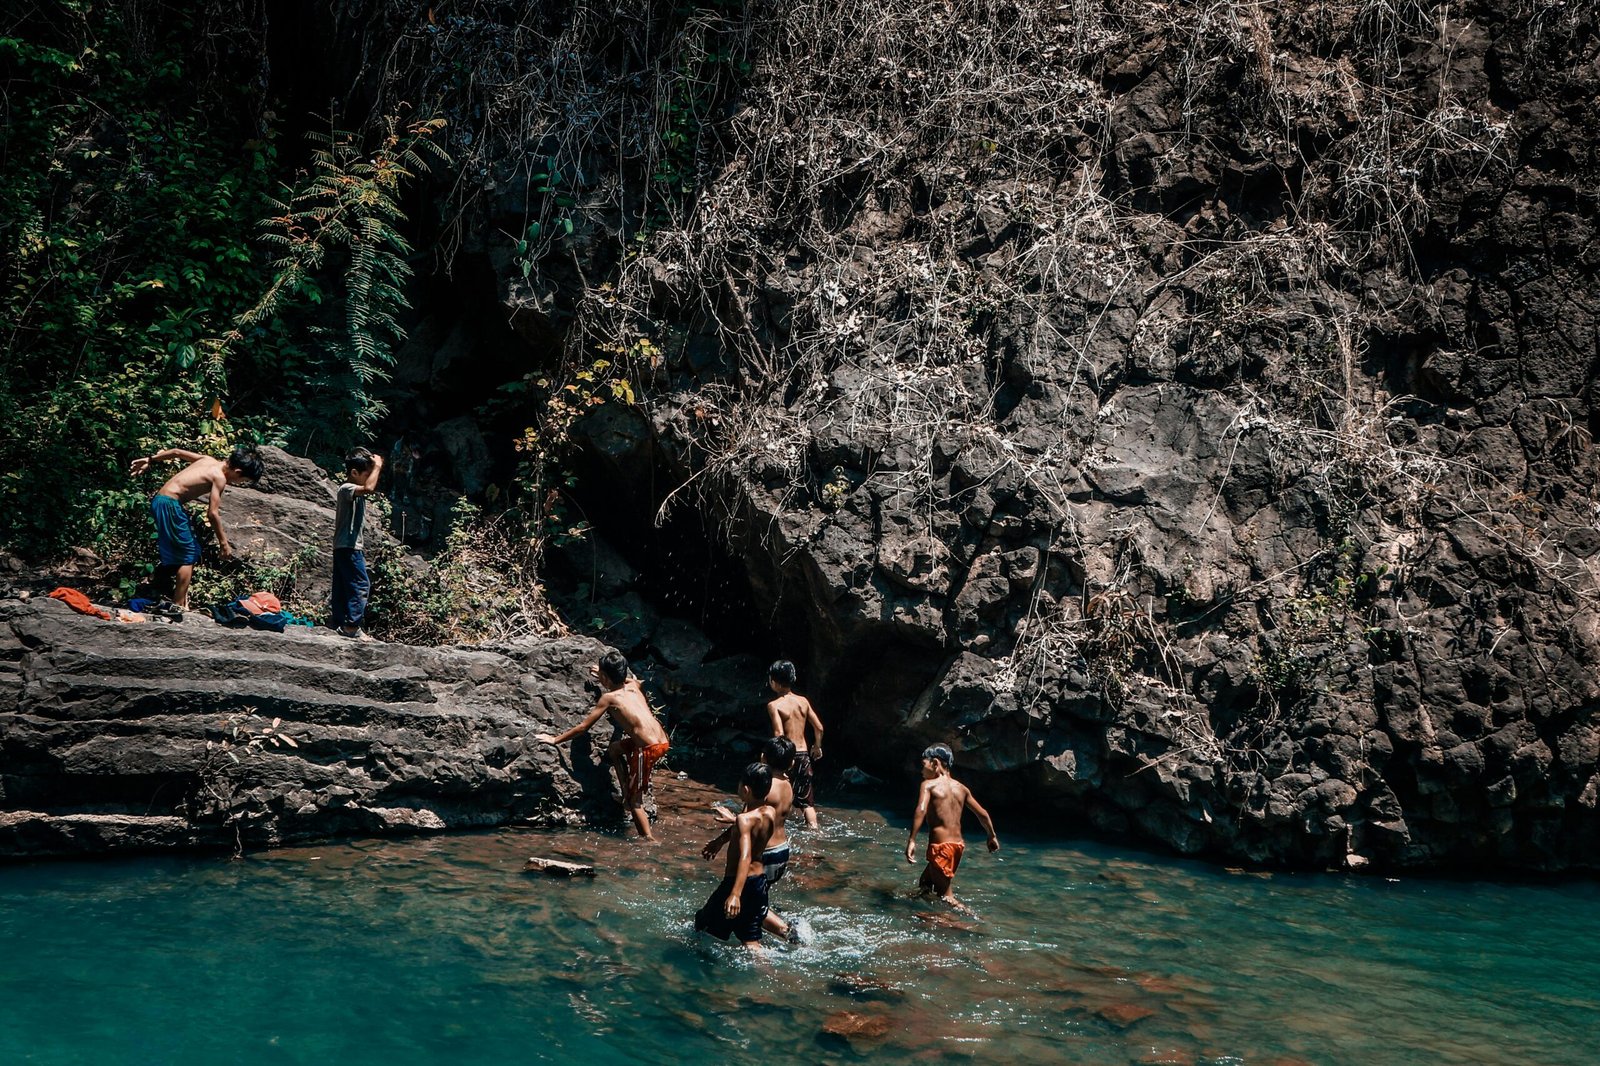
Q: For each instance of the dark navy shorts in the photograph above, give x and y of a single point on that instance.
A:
(752, 908)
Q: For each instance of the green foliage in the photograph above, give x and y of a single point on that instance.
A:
(555, 400)
(344, 218)
(483, 586)
(1332, 608)
(125, 208)
(834, 491)
(271, 572)
(711, 62)
(136, 311)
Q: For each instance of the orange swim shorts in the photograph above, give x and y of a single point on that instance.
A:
(640, 761)
(947, 857)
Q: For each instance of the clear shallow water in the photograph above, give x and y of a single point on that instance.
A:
(441, 949)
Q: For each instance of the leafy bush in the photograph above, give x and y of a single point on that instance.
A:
(137, 171)
(482, 587)
(126, 208)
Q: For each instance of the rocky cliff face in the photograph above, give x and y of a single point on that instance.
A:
(1185, 410)
(156, 736)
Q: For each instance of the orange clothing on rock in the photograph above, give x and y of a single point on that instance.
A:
(261, 603)
(79, 602)
(640, 761)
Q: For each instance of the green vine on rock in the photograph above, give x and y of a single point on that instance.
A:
(348, 207)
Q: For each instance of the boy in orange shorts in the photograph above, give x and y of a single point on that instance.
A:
(941, 803)
(635, 754)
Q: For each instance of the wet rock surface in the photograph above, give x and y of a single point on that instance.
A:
(126, 736)
(1210, 546)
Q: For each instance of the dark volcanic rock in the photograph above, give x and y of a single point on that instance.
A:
(116, 736)
(1185, 413)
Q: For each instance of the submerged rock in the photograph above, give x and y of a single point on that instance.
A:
(1124, 1015)
(858, 1027)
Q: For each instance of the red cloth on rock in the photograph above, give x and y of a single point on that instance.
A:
(79, 602)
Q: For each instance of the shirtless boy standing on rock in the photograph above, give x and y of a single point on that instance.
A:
(204, 475)
(791, 713)
(635, 754)
(941, 803)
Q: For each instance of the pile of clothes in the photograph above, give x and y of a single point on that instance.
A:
(259, 610)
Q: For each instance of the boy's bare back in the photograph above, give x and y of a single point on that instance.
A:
(947, 798)
(197, 479)
(781, 798)
(760, 823)
(628, 708)
(792, 712)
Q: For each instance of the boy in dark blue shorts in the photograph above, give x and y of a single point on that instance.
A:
(203, 476)
(739, 904)
(777, 754)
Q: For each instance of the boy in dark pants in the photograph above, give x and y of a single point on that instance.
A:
(777, 754)
(739, 904)
(350, 582)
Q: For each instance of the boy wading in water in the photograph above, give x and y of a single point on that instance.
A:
(790, 714)
(350, 582)
(739, 905)
(941, 803)
(776, 755)
(635, 754)
(175, 540)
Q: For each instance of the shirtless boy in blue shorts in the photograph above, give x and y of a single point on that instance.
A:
(175, 540)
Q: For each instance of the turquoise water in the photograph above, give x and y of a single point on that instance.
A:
(441, 949)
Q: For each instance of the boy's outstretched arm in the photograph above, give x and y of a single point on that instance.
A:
(582, 727)
(715, 844)
(923, 797)
(983, 818)
(731, 907)
(141, 464)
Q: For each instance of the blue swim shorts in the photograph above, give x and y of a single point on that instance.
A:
(175, 538)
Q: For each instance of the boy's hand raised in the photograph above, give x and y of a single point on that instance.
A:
(139, 466)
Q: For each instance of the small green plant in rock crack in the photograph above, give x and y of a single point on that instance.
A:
(242, 734)
(834, 492)
(555, 221)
